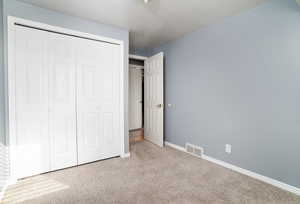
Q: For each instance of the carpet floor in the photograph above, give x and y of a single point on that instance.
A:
(152, 175)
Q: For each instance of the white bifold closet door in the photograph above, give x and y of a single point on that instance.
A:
(67, 101)
(61, 63)
(45, 102)
(32, 103)
(98, 101)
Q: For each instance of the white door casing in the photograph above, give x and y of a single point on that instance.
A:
(154, 99)
(135, 97)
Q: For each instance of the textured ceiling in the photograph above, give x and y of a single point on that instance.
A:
(154, 23)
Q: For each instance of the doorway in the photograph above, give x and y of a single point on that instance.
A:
(136, 100)
(146, 99)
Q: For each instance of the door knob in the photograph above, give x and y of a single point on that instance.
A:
(160, 105)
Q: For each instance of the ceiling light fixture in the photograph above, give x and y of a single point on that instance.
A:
(146, 1)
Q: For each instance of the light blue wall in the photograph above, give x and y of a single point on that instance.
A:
(238, 82)
(30, 12)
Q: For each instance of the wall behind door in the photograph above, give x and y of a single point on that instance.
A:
(30, 12)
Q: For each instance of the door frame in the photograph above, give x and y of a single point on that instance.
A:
(138, 57)
(143, 58)
(11, 113)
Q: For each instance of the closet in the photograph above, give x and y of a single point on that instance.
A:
(65, 100)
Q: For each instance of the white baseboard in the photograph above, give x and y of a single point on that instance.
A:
(265, 179)
(175, 146)
(125, 155)
(8, 183)
(3, 190)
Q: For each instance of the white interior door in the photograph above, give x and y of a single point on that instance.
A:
(98, 101)
(154, 99)
(31, 103)
(62, 100)
(135, 97)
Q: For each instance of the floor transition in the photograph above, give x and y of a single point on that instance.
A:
(136, 135)
(151, 175)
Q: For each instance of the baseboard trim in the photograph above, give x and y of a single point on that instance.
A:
(2, 192)
(254, 175)
(175, 146)
(125, 155)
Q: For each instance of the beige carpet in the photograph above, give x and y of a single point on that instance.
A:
(152, 175)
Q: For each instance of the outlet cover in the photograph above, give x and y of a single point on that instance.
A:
(228, 148)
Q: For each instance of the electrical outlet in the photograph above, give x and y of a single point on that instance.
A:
(228, 148)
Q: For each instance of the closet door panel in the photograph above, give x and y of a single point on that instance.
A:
(98, 101)
(32, 139)
(111, 113)
(89, 114)
(62, 94)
